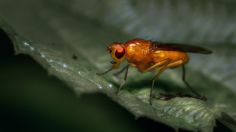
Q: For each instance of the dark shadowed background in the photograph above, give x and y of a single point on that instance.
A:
(33, 99)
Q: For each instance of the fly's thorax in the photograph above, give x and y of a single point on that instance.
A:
(137, 50)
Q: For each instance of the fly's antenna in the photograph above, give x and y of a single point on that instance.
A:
(107, 47)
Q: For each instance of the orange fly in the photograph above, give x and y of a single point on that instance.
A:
(148, 55)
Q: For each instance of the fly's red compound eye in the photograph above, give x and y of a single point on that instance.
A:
(120, 53)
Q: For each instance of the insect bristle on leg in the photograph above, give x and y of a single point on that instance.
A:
(146, 56)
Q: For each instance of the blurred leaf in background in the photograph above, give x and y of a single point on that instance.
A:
(69, 38)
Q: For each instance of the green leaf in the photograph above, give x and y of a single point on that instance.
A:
(69, 38)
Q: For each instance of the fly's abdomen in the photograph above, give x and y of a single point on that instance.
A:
(175, 58)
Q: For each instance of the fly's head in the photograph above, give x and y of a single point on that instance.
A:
(117, 52)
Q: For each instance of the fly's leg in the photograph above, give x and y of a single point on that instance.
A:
(121, 71)
(186, 83)
(162, 68)
(125, 78)
(163, 65)
(103, 73)
(188, 86)
(108, 70)
(153, 82)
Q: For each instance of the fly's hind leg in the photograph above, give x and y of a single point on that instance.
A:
(186, 83)
(189, 87)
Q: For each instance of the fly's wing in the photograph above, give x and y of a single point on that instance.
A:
(179, 47)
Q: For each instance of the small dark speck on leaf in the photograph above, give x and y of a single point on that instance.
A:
(74, 57)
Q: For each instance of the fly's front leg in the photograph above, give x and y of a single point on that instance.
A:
(125, 78)
(114, 66)
(105, 72)
(121, 71)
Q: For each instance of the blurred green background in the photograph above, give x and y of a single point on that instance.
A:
(32, 100)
